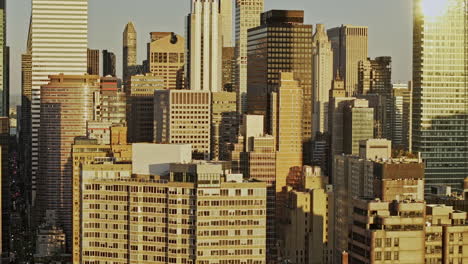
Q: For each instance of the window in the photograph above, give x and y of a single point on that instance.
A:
(388, 255)
(378, 255)
(378, 242)
(388, 242)
(396, 242)
(396, 255)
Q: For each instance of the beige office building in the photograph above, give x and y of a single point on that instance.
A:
(401, 115)
(308, 210)
(226, 22)
(140, 101)
(322, 78)
(166, 58)
(286, 123)
(248, 14)
(204, 46)
(350, 46)
(129, 45)
(93, 62)
(184, 117)
(229, 69)
(200, 215)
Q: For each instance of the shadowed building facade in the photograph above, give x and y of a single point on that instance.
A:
(66, 106)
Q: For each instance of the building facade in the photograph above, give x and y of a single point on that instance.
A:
(166, 58)
(248, 14)
(93, 62)
(129, 51)
(108, 63)
(322, 78)
(224, 124)
(358, 124)
(66, 106)
(350, 46)
(282, 43)
(53, 53)
(184, 117)
(226, 21)
(204, 46)
(440, 103)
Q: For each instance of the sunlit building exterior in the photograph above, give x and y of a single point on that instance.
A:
(440, 93)
(247, 16)
(166, 58)
(350, 46)
(322, 78)
(204, 46)
(226, 22)
(129, 51)
(4, 62)
(66, 106)
(401, 115)
(54, 50)
(93, 62)
(282, 43)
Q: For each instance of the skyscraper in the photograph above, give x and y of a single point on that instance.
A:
(93, 62)
(358, 125)
(226, 21)
(286, 48)
(129, 51)
(59, 41)
(5, 181)
(322, 78)
(401, 115)
(108, 63)
(4, 63)
(247, 16)
(350, 46)
(166, 58)
(229, 69)
(440, 93)
(204, 46)
(66, 106)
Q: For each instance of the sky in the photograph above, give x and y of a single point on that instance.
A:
(389, 22)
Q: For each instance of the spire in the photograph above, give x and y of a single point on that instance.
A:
(338, 76)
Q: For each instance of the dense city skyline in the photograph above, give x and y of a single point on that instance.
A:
(387, 36)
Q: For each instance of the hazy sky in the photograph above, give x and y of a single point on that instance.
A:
(389, 22)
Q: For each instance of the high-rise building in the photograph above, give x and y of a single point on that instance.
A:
(401, 115)
(200, 229)
(371, 174)
(184, 117)
(229, 69)
(93, 62)
(375, 79)
(108, 63)
(25, 122)
(140, 101)
(129, 51)
(226, 22)
(110, 108)
(322, 78)
(224, 124)
(350, 46)
(286, 122)
(204, 46)
(59, 41)
(308, 210)
(248, 14)
(66, 106)
(5, 193)
(358, 125)
(166, 58)
(4, 63)
(440, 92)
(286, 48)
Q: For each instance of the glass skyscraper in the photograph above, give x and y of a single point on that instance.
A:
(440, 95)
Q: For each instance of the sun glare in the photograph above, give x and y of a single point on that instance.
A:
(433, 8)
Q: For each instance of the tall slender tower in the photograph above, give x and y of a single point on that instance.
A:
(322, 78)
(4, 64)
(59, 41)
(204, 46)
(248, 14)
(67, 103)
(440, 93)
(226, 21)
(350, 46)
(129, 51)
